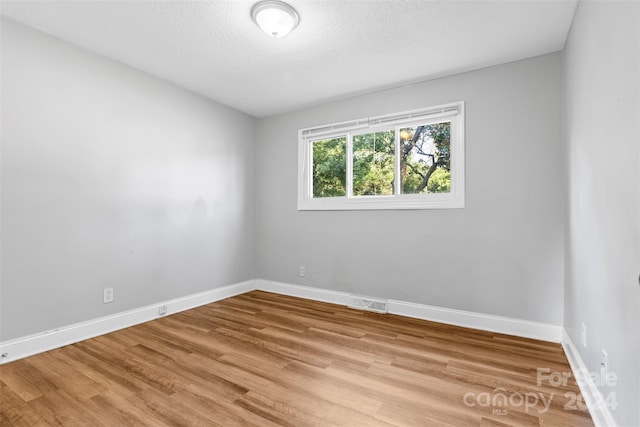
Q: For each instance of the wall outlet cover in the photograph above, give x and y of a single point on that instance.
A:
(107, 296)
(162, 310)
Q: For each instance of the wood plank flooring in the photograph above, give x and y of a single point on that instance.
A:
(261, 359)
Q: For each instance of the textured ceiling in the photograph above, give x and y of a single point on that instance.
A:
(339, 49)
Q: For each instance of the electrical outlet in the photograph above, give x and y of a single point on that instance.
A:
(584, 335)
(604, 363)
(303, 271)
(162, 310)
(107, 295)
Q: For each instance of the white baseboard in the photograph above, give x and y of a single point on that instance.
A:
(485, 322)
(316, 294)
(49, 340)
(592, 397)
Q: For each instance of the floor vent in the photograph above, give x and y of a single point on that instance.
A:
(368, 304)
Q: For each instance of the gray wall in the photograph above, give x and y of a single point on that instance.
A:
(602, 76)
(502, 254)
(112, 178)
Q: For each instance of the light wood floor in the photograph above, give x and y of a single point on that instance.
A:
(261, 359)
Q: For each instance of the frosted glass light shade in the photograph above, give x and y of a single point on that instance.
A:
(275, 18)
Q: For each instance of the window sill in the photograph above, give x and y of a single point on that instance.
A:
(406, 202)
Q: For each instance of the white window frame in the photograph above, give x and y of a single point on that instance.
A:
(454, 199)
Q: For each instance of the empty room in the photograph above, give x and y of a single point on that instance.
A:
(320, 213)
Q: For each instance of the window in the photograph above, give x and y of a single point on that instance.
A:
(410, 160)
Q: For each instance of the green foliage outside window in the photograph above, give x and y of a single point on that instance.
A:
(425, 158)
(425, 162)
(373, 163)
(330, 167)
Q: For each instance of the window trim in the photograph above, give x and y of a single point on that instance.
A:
(452, 200)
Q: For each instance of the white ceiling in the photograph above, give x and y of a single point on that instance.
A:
(340, 48)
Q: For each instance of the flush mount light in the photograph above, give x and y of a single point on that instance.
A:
(274, 17)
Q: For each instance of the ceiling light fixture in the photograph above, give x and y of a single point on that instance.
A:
(274, 17)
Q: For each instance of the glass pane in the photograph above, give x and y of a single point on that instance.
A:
(425, 159)
(373, 163)
(330, 167)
